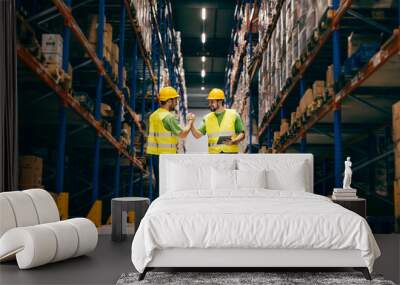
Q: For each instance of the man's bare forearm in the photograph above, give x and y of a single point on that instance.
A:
(195, 132)
(239, 138)
(185, 131)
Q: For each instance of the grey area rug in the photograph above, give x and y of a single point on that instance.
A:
(233, 278)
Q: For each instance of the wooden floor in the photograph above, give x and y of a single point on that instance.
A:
(110, 260)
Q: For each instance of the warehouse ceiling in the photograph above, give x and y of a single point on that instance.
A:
(218, 25)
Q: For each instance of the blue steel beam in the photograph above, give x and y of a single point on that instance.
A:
(122, 17)
(99, 93)
(62, 114)
(153, 61)
(132, 104)
(142, 112)
(303, 141)
(269, 139)
(337, 113)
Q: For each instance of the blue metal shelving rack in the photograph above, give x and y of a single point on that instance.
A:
(150, 61)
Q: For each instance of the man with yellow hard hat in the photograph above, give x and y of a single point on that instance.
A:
(164, 129)
(224, 127)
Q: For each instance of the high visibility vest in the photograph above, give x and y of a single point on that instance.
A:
(214, 131)
(159, 139)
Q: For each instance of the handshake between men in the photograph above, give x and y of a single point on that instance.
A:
(223, 127)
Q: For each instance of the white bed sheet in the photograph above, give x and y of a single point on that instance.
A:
(252, 218)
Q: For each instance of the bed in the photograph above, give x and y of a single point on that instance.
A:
(247, 211)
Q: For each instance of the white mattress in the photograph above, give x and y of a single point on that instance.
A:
(251, 219)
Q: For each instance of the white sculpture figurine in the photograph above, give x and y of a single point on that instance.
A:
(347, 174)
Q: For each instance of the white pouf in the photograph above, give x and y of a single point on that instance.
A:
(31, 232)
(23, 208)
(45, 205)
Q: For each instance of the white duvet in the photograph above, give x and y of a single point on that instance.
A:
(250, 219)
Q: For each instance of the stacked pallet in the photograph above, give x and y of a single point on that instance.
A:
(142, 10)
(311, 102)
(239, 44)
(126, 134)
(396, 144)
(299, 25)
(107, 37)
(52, 49)
(114, 60)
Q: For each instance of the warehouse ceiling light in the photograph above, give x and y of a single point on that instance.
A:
(203, 73)
(203, 14)
(203, 59)
(203, 38)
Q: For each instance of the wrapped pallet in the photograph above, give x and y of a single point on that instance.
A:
(318, 88)
(306, 100)
(52, 48)
(330, 81)
(284, 127)
(142, 10)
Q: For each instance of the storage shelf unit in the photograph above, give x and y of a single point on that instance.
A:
(371, 84)
(388, 50)
(301, 69)
(142, 75)
(68, 99)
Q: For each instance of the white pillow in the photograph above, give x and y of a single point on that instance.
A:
(223, 179)
(294, 179)
(186, 176)
(251, 178)
(282, 174)
(183, 178)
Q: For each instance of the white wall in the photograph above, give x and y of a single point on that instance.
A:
(197, 145)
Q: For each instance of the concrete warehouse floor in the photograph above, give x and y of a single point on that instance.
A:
(110, 260)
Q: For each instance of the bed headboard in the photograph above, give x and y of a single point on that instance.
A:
(207, 159)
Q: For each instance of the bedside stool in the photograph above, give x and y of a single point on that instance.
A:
(357, 205)
(119, 212)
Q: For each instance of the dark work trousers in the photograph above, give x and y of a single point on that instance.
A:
(155, 161)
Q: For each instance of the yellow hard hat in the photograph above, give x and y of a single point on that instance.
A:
(167, 93)
(216, 94)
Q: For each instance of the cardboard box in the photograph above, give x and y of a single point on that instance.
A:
(397, 160)
(106, 110)
(396, 122)
(292, 118)
(126, 130)
(53, 58)
(52, 43)
(115, 53)
(92, 30)
(114, 68)
(30, 171)
(107, 37)
(329, 77)
(306, 100)
(284, 127)
(318, 88)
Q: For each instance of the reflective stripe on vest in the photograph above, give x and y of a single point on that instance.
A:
(159, 139)
(226, 128)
